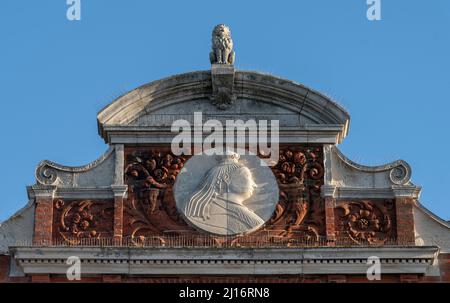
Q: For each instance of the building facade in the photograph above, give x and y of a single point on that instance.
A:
(123, 217)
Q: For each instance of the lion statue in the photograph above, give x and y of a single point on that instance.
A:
(222, 45)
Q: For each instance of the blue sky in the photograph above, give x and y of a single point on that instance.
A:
(391, 75)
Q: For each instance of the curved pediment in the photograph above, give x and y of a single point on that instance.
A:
(301, 111)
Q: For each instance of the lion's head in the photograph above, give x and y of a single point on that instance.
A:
(221, 31)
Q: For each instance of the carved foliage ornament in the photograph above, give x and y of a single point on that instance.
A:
(368, 222)
(76, 220)
(151, 213)
(299, 214)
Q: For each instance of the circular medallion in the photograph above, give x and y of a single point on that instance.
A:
(227, 194)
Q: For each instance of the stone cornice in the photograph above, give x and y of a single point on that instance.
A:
(134, 260)
(406, 191)
(70, 193)
(41, 191)
(312, 134)
(337, 192)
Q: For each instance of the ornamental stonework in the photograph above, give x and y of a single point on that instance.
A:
(150, 210)
(151, 213)
(141, 198)
(366, 221)
(77, 220)
(300, 213)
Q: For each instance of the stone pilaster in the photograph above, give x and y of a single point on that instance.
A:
(404, 203)
(43, 219)
(328, 194)
(120, 191)
(119, 196)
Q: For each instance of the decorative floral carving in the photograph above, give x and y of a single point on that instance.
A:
(150, 210)
(366, 221)
(300, 211)
(297, 164)
(75, 220)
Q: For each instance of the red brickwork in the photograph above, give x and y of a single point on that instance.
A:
(4, 268)
(244, 279)
(405, 221)
(150, 173)
(444, 265)
(40, 279)
(118, 217)
(43, 220)
(111, 278)
(330, 219)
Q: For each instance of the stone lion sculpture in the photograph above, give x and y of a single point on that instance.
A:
(222, 45)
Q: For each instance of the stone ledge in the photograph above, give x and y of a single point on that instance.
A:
(144, 261)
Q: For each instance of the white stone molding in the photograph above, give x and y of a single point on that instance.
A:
(406, 191)
(313, 134)
(41, 191)
(72, 193)
(119, 164)
(205, 261)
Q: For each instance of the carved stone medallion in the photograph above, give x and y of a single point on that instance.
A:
(226, 194)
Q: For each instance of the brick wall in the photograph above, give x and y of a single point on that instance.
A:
(4, 268)
(43, 220)
(405, 220)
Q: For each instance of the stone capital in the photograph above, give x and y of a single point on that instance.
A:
(119, 191)
(406, 191)
(41, 191)
(328, 191)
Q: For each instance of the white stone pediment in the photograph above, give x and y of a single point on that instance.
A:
(150, 109)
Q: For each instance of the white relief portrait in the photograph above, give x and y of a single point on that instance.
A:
(227, 199)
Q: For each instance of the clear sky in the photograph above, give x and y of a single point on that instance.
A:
(391, 75)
